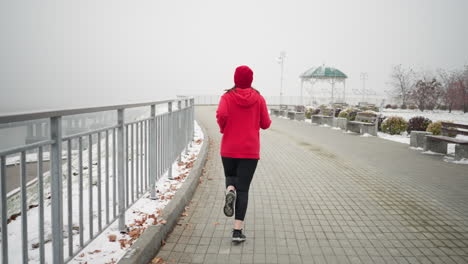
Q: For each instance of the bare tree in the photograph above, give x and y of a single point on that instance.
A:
(462, 85)
(425, 93)
(402, 81)
(447, 94)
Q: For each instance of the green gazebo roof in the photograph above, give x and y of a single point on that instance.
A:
(323, 72)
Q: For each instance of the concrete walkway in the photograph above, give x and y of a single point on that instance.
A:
(323, 196)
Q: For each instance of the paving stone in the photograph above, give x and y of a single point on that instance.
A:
(322, 196)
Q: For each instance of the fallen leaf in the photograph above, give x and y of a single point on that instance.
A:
(216, 223)
(157, 260)
(112, 238)
(123, 242)
(163, 221)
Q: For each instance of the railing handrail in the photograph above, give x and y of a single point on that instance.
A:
(127, 159)
(27, 116)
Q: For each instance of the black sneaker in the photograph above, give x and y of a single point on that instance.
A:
(229, 205)
(237, 235)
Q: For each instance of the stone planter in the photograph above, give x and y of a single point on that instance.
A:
(327, 120)
(275, 112)
(340, 122)
(316, 119)
(417, 138)
(299, 116)
(283, 113)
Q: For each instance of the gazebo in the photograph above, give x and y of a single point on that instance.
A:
(327, 74)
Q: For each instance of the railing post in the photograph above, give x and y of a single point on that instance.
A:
(3, 209)
(171, 140)
(152, 153)
(120, 169)
(178, 132)
(187, 126)
(56, 188)
(192, 119)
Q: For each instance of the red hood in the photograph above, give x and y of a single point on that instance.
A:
(245, 97)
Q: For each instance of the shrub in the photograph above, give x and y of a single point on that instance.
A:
(394, 125)
(308, 113)
(323, 106)
(370, 108)
(412, 107)
(403, 106)
(418, 123)
(349, 113)
(352, 115)
(379, 125)
(442, 107)
(337, 112)
(394, 106)
(316, 111)
(436, 128)
(388, 106)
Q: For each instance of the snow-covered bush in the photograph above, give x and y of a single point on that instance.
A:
(349, 113)
(394, 106)
(436, 128)
(388, 106)
(379, 125)
(394, 125)
(337, 112)
(418, 123)
(343, 114)
(403, 106)
(308, 113)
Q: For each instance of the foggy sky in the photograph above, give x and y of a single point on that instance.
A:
(56, 54)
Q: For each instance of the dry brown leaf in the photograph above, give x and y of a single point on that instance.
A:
(123, 242)
(157, 260)
(112, 238)
(216, 223)
(162, 221)
(134, 233)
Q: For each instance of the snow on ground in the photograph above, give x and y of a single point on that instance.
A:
(404, 138)
(141, 214)
(435, 115)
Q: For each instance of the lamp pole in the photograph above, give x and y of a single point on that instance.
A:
(364, 77)
(281, 61)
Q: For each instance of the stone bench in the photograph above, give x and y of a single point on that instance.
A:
(325, 117)
(299, 116)
(366, 123)
(438, 144)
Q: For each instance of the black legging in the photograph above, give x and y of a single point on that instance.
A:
(239, 173)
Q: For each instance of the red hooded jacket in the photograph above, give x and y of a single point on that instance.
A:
(240, 115)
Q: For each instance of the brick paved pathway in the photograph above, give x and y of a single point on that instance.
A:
(322, 196)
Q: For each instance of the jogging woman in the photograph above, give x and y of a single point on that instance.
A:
(241, 113)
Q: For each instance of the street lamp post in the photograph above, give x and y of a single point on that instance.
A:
(364, 77)
(280, 60)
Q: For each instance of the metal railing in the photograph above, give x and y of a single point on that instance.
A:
(123, 162)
